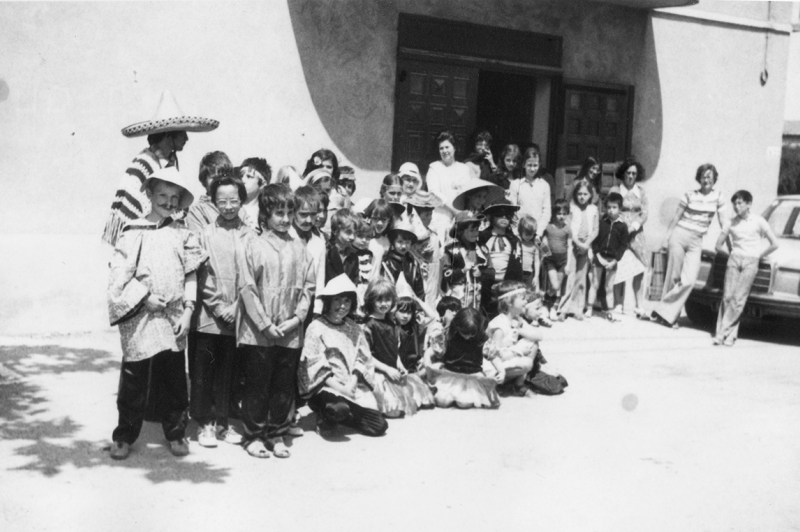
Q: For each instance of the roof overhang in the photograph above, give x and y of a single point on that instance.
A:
(649, 4)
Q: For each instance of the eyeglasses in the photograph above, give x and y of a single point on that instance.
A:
(231, 203)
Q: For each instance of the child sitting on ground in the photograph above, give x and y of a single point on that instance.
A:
(436, 332)
(151, 295)
(515, 342)
(608, 248)
(461, 380)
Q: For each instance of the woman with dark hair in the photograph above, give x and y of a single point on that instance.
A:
(482, 158)
(591, 173)
(323, 158)
(446, 178)
(684, 244)
(634, 214)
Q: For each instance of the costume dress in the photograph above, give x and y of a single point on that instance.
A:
(395, 264)
(461, 378)
(467, 258)
(583, 223)
(340, 351)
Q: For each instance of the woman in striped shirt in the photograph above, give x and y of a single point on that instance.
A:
(684, 244)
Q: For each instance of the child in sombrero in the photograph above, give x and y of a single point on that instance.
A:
(151, 295)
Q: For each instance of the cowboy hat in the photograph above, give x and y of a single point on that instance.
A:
(494, 191)
(172, 176)
(499, 206)
(169, 117)
(464, 218)
(424, 200)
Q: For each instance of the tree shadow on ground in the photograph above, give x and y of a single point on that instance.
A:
(51, 444)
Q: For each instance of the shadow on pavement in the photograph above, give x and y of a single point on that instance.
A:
(50, 444)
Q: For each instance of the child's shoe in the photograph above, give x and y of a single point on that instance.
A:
(588, 313)
(717, 341)
(120, 450)
(207, 435)
(553, 314)
(612, 317)
(295, 431)
(544, 322)
(229, 435)
(179, 447)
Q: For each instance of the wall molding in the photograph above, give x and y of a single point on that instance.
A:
(683, 13)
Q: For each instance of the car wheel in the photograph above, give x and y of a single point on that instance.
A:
(701, 315)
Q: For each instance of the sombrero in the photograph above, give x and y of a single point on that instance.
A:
(494, 193)
(169, 117)
(171, 175)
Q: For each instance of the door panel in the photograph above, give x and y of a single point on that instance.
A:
(431, 97)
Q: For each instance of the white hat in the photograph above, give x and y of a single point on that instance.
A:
(403, 288)
(339, 285)
(169, 117)
(316, 175)
(409, 169)
(171, 175)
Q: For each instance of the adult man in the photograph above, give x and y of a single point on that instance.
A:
(166, 136)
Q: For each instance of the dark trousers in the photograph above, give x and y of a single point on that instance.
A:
(163, 374)
(212, 377)
(338, 410)
(269, 390)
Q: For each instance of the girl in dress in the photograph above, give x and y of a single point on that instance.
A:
(393, 387)
(461, 381)
(583, 227)
(337, 371)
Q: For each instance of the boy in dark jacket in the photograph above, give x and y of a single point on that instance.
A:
(608, 248)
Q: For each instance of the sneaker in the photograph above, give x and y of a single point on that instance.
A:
(295, 431)
(207, 435)
(618, 310)
(728, 343)
(179, 447)
(589, 312)
(229, 435)
(553, 314)
(120, 450)
(717, 341)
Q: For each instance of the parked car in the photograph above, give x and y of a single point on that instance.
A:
(776, 289)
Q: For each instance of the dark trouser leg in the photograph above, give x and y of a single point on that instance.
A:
(237, 385)
(226, 356)
(282, 389)
(131, 400)
(367, 421)
(169, 376)
(202, 376)
(255, 406)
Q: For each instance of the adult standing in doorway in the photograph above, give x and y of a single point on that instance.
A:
(684, 244)
(446, 178)
(166, 135)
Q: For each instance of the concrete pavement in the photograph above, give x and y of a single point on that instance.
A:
(657, 431)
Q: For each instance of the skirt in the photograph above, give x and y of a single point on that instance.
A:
(394, 398)
(475, 390)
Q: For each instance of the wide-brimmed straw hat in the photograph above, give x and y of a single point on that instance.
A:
(424, 200)
(169, 117)
(171, 175)
(339, 285)
(495, 192)
(500, 206)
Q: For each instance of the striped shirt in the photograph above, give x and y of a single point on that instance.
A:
(699, 210)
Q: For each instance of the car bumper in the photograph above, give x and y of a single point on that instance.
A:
(758, 305)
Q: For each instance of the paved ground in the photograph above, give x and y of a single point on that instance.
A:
(657, 431)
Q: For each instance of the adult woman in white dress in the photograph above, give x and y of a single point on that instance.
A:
(446, 178)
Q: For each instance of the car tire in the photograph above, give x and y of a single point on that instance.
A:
(701, 315)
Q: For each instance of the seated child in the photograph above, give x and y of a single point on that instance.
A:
(337, 371)
(461, 381)
(276, 286)
(215, 339)
(151, 295)
(515, 342)
(436, 332)
(399, 260)
(394, 387)
(608, 248)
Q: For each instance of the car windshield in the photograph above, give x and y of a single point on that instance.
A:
(784, 218)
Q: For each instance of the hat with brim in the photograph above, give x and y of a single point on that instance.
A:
(499, 207)
(169, 117)
(398, 208)
(460, 201)
(316, 175)
(403, 227)
(464, 218)
(360, 207)
(409, 169)
(172, 176)
(423, 199)
(338, 286)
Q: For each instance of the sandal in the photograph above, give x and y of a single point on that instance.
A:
(256, 449)
(279, 448)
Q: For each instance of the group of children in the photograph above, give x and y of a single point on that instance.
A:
(287, 293)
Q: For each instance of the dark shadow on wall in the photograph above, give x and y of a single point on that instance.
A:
(50, 444)
(347, 49)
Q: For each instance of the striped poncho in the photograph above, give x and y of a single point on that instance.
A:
(130, 202)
